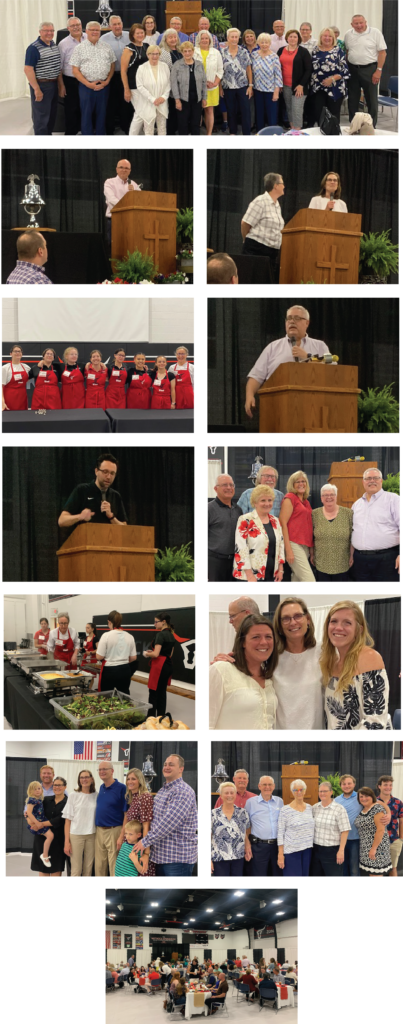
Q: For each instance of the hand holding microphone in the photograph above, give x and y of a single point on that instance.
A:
(330, 205)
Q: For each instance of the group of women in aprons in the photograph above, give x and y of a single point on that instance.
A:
(93, 385)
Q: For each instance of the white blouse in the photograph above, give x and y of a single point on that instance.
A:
(237, 701)
(298, 687)
(80, 811)
(320, 203)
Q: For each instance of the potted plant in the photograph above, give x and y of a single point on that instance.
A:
(378, 257)
(334, 782)
(219, 20)
(392, 483)
(184, 237)
(174, 565)
(135, 268)
(378, 411)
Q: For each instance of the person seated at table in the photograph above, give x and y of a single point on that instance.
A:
(95, 376)
(150, 97)
(259, 545)
(115, 397)
(291, 976)
(14, 379)
(294, 346)
(332, 529)
(249, 979)
(221, 269)
(295, 833)
(216, 999)
(189, 90)
(296, 522)
(330, 75)
(209, 54)
(163, 385)
(230, 845)
(267, 81)
(47, 378)
(242, 694)
(354, 675)
(179, 996)
(138, 394)
(329, 196)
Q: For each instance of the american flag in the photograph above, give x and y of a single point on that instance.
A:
(83, 750)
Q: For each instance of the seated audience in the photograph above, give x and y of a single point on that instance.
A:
(221, 269)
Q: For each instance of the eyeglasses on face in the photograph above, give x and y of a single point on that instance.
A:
(295, 318)
(286, 619)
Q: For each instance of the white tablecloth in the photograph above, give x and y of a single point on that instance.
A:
(344, 131)
(290, 997)
(191, 1009)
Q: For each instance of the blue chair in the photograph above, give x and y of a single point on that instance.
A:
(244, 990)
(389, 100)
(397, 719)
(268, 993)
(156, 984)
(273, 130)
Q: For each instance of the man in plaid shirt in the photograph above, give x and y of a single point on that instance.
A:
(173, 830)
(395, 826)
(32, 253)
(331, 830)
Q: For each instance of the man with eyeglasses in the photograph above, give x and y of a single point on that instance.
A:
(375, 538)
(68, 84)
(110, 812)
(295, 346)
(114, 190)
(268, 476)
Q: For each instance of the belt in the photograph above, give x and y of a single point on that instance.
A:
(217, 555)
(46, 79)
(268, 842)
(107, 827)
(377, 551)
(363, 65)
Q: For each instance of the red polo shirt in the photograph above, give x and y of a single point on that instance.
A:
(240, 801)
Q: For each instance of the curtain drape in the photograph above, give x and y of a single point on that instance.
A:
(383, 617)
(322, 14)
(20, 27)
(139, 752)
(82, 320)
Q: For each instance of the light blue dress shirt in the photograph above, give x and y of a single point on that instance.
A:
(353, 808)
(264, 816)
(117, 45)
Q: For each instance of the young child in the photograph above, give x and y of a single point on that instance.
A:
(127, 861)
(35, 812)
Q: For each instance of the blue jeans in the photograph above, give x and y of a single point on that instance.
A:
(298, 863)
(93, 109)
(44, 112)
(265, 109)
(174, 869)
(237, 102)
(351, 864)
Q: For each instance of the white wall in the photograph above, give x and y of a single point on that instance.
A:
(49, 750)
(166, 327)
(220, 602)
(240, 941)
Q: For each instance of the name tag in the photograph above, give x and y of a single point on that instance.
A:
(66, 373)
(136, 376)
(91, 376)
(41, 637)
(60, 642)
(42, 373)
(157, 383)
(115, 373)
(17, 376)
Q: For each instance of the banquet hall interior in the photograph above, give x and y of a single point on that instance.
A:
(182, 925)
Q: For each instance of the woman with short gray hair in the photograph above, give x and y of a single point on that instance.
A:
(236, 84)
(230, 845)
(295, 833)
(332, 529)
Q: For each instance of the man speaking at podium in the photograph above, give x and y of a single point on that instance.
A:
(115, 189)
(96, 502)
(294, 346)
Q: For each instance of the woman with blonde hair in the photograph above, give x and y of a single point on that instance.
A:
(230, 845)
(189, 90)
(297, 679)
(354, 675)
(330, 75)
(211, 58)
(140, 808)
(267, 82)
(296, 522)
(259, 546)
(295, 833)
(170, 53)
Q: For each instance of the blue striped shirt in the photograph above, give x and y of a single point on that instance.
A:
(295, 829)
(264, 816)
(267, 75)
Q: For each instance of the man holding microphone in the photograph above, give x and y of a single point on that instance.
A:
(115, 189)
(96, 501)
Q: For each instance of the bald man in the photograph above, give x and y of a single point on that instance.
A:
(114, 190)
(223, 515)
(263, 812)
(110, 812)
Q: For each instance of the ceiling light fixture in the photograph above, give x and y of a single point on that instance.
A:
(280, 913)
(277, 901)
(239, 892)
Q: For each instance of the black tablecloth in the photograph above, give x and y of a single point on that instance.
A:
(79, 258)
(151, 421)
(22, 708)
(253, 269)
(63, 421)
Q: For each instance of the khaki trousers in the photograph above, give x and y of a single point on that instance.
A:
(105, 849)
(301, 571)
(82, 855)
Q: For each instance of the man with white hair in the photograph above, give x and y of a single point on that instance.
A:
(264, 812)
(93, 66)
(42, 68)
(295, 346)
(240, 778)
(375, 538)
(366, 55)
(68, 85)
(110, 811)
(118, 112)
(223, 516)
(268, 476)
(175, 23)
(204, 26)
(278, 38)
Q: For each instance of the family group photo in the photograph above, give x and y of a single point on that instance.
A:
(337, 811)
(103, 808)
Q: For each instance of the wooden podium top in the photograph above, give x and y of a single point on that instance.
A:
(324, 221)
(312, 376)
(116, 539)
(157, 202)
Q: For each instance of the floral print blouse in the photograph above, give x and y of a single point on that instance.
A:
(363, 706)
(324, 65)
(251, 546)
(235, 76)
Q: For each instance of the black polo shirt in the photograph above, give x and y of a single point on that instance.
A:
(222, 521)
(89, 496)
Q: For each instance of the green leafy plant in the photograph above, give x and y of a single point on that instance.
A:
(378, 411)
(135, 267)
(219, 20)
(174, 565)
(184, 227)
(392, 483)
(334, 782)
(378, 255)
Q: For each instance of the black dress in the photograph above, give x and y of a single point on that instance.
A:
(158, 698)
(269, 573)
(53, 813)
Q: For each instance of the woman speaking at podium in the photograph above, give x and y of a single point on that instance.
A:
(329, 195)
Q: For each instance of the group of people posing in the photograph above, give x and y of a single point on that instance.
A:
(355, 833)
(70, 384)
(121, 829)
(278, 677)
(251, 539)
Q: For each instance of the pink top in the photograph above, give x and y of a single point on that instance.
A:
(287, 61)
(300, 529)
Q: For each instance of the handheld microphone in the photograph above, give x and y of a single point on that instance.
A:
(331, 199)
(292, 343)
(103, 498)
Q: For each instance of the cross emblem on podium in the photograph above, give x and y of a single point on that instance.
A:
(156, 238)
(332, 265)
(324, 429)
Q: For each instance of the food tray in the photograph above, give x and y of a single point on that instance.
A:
(127, 718)
(59, 680)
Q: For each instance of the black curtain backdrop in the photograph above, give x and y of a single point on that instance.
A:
(234, 177)
(160, 751)
(20, 771)
(362, 332)
(72, 181)
(383, 617)
(156, 485)
(256, 14)
(366, 761)
(315, 462)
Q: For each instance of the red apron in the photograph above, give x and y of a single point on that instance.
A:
(73, 394)
(44, 637)
(46, 392)
(138, 393)
(89, 657)
(184, 390)
(155, 672)
(64, 649)
(115, 397)
(161, 394)
(95, 393)
(15, 392)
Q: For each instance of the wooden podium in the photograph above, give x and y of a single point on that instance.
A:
(321, 246)
(309, 773)
(348, 479)
(146, 221)
(189, 12)
(309, 398)
(108, 554)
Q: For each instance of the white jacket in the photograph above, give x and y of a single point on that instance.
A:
(147, 90)
(214, 64)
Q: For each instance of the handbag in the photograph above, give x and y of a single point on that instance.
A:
(328, 123)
